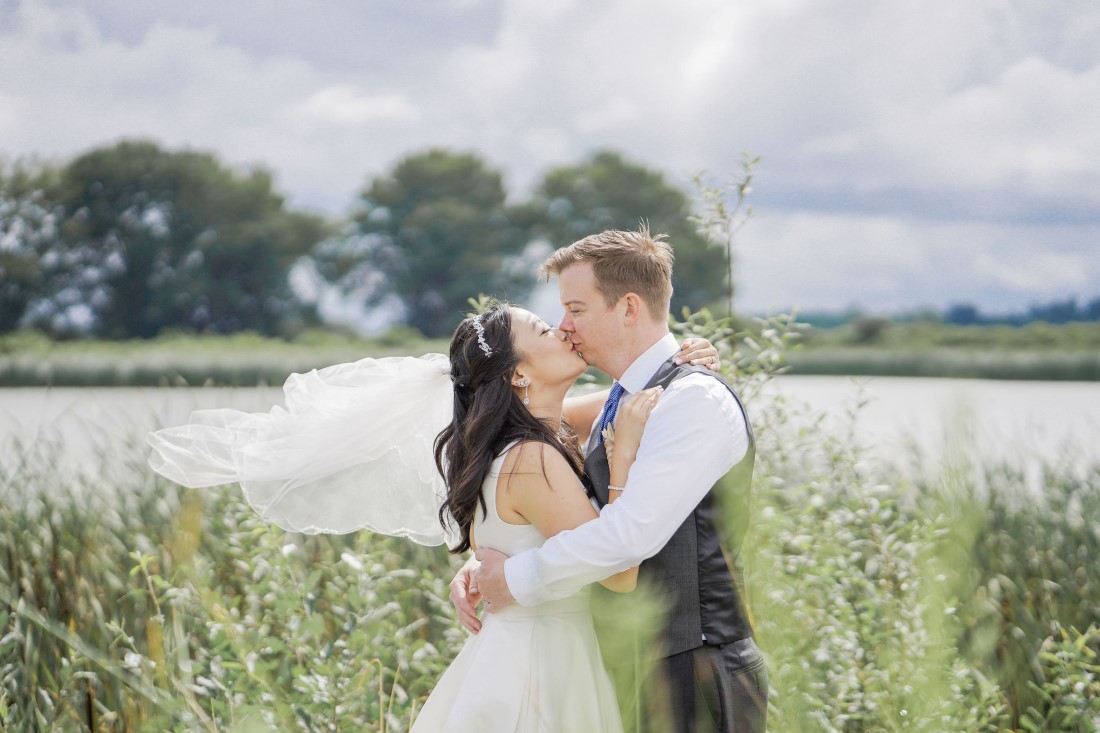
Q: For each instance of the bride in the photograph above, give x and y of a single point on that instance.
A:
(353, 449)
(514, 477)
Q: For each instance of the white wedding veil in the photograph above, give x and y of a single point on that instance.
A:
(351, 450)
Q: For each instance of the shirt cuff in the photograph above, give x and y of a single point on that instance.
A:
(522, 577)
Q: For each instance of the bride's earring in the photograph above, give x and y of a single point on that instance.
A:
(526, 393)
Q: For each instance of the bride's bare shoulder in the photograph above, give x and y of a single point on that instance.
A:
(543, 489)
(535, 464)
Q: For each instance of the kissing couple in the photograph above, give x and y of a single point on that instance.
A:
(663, 450)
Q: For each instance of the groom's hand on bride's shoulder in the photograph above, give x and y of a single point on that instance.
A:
(490, 580)
(465, 596)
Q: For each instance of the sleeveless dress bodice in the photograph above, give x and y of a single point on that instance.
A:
(530, 669)
(490, 531)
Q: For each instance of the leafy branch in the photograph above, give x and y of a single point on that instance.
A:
(723, 210)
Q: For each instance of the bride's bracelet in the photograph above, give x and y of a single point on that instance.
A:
(614, 488)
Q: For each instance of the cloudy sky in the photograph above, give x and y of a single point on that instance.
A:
(914, 153)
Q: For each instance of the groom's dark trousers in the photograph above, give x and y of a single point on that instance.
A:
(715, 676)
(721, 688)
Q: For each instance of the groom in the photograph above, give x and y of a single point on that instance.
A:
(616, 288)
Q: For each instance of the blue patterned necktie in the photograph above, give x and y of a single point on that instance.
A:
(609, 409)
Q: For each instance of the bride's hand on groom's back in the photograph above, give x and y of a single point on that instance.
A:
(465, 596)
(698, 352)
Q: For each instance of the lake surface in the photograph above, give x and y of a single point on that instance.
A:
(89, 430)
(999, 418)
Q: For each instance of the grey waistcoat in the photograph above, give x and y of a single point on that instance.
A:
(702, 581)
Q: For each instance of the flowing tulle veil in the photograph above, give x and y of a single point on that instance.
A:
(351, 450)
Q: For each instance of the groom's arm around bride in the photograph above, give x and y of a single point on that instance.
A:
(616, 288)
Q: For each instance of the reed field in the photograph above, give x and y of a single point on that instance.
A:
(1036, 336)
(237, 360)
(1037, 351)
(1050, 366)
(924, 596)
(875, 346)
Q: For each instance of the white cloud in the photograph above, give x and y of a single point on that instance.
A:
(1059, 273)
(183, 86)
(611, 114)
(897, 138)
(343, 104)
(818, 261)
(1031, 128)
(12, 111)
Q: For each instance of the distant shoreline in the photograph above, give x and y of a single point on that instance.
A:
(1075, 366)
(1037, 352)
(270, 367)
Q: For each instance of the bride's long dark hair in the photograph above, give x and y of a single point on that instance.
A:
(487, 417)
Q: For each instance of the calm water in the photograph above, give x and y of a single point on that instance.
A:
(90, 430)
(1003, 419)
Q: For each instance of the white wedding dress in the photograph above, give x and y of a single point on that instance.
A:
(529, 670)
(352, 450)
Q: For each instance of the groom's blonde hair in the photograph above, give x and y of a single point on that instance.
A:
(623, 262)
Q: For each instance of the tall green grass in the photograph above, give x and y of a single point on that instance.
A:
(947, 596)
(948, 362)
(146, 607)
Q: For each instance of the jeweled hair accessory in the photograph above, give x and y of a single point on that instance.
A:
(480, 328)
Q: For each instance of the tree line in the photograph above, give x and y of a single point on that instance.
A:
(131, 240)
(868, 326)
(1063, 311)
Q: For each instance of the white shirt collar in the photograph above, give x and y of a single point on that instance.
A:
(642, 369)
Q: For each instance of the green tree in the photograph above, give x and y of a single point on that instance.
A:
(154, 239)
(608, 191)
(29, 227)
(436, 229)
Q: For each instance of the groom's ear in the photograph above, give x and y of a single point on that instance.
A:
(633, 308)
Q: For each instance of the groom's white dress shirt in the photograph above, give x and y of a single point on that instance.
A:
(694, 436)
